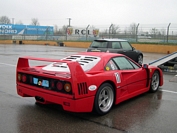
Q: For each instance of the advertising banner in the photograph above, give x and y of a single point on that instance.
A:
(11, 29)
(71, 31)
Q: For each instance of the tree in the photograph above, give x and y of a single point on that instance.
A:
(163, 32)
(105, 31)
(4, 20)
(125, 30)
(115, 29)
(132, 29)
(63, 30)
(154, 32)
(34, 21)
(55, 29)
(58, 31)
(92, 27)
(19, 22)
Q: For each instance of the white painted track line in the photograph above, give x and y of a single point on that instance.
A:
(7, 64)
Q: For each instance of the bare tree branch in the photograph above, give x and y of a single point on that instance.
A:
(4, 20)
(34, 21)
(19, 22)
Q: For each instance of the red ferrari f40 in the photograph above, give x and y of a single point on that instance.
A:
(86, 82)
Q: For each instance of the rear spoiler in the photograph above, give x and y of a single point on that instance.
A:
(76, 70)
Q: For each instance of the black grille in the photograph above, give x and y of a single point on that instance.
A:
(82, 88)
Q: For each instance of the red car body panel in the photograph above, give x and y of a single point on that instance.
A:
(133, 82)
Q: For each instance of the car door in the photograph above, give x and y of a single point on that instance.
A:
(115, 47)
(121, 88)
(134, 76)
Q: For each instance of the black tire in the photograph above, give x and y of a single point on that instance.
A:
(140, 59)
(155, 80)
(104, 99)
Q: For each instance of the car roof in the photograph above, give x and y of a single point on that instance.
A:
(110, 40)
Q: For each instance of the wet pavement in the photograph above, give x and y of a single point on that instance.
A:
(147, 113)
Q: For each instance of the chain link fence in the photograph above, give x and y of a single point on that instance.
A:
(133, 33)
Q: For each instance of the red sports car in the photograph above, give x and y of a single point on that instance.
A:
(85, 82)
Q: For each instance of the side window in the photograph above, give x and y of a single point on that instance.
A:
(123, 63)
(126, 45)
(116, 45)
(99, 44)
(134, 65)
(110, 66)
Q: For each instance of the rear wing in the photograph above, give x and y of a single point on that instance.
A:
(76, 71)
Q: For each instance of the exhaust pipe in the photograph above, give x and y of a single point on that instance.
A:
(39, 99)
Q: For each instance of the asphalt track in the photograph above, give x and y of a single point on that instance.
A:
(147, 113)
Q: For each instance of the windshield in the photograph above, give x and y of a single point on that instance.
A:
(99, 44)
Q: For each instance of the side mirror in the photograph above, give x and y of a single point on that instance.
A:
(145, 66)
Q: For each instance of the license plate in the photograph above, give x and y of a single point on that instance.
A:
(44, 83)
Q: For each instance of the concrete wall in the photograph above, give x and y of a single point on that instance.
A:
(153, 48)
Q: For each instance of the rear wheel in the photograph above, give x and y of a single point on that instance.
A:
(140, 59)
(155, 82)
(104, 99)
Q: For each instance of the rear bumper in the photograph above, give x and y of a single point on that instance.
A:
(68, 104)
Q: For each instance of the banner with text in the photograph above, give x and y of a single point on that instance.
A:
(11, 29)
(71, 31)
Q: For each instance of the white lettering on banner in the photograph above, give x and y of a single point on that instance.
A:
(32, 29)
(8, 31)
(90, 32)
(5, 26)
(83, 32)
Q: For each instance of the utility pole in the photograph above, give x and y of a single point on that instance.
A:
(168, 31)
(67, 28)
(137, 32)
(110, 29)
(69, 22)
(87, 32)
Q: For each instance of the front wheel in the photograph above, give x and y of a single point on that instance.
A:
(104, 99)
(155, 82)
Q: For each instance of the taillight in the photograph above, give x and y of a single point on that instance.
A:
(19, 77)
(53, 84)
(67, 87)
(24, 78)
(59, 85)
(31, 79)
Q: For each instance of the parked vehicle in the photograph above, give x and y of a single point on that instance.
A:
(116, 46)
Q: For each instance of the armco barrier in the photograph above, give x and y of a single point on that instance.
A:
(153, 48)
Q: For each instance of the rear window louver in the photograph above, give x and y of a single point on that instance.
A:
(87, 62)
(82, 88)
(91, 57)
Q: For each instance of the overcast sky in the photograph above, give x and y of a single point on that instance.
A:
(99, 13)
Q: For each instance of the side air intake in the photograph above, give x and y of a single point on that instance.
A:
(82, 88)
